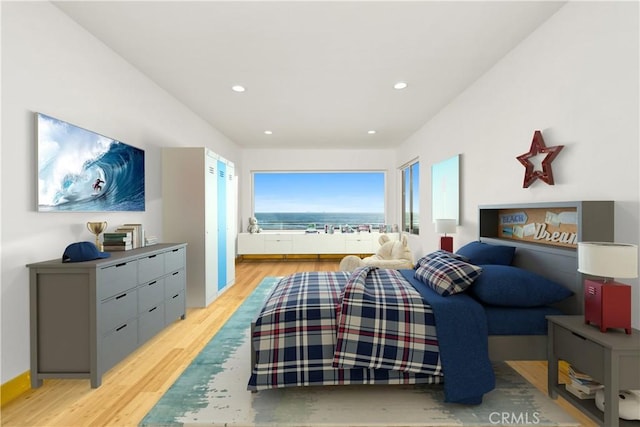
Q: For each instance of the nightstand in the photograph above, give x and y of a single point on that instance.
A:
(611, 358)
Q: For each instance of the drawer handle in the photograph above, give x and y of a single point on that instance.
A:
(175, 273)
(152, 256)
(121, 327)
(121, 264)
(121, 296)
(175, 250)
(153, 283)
(579, 336)
(175, 296)
(152, 309)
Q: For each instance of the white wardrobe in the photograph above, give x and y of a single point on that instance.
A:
(199, 198)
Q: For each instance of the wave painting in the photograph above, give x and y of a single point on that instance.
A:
(80, 170)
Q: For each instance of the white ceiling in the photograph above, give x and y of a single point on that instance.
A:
(318, 74)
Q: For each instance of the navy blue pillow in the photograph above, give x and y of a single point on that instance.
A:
(483, 253)
(509, 286)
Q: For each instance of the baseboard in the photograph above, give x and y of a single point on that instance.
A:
(295, 257)
(14, 388)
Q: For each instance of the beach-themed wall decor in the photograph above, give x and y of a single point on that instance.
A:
(83, 171)
(551, 226)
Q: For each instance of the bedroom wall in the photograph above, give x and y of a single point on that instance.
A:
(575, 79)
(51, 65)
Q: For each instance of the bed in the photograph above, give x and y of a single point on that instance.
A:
(329, 328)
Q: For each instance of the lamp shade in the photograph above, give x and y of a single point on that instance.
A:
(445, 226)
(604, 259)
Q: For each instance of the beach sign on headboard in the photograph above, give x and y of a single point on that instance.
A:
(552, 226)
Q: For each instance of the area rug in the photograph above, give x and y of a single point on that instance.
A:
(212, 392)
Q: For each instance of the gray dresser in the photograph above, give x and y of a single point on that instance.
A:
(88, 316)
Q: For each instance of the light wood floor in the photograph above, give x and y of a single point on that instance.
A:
(130, 389)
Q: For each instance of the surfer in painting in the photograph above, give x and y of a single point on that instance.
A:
(97, 186)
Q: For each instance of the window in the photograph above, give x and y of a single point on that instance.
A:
(313, 200)
(411, 198)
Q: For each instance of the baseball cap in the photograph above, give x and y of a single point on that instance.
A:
(83, 251)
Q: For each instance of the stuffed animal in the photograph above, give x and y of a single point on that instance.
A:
(391, 254)
(253, 225)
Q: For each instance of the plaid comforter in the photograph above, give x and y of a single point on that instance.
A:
(383, 323)
(330, 328)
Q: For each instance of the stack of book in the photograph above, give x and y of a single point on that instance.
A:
(582, 385)
(137, 234)
(117, 241)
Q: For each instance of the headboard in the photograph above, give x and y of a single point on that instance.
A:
(594, 221)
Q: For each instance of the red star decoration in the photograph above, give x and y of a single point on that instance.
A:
(538, 147)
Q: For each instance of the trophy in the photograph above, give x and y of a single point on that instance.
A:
(97, 228)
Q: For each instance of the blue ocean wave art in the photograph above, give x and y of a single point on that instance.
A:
(80, 170)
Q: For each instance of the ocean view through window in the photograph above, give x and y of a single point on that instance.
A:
(318, 200)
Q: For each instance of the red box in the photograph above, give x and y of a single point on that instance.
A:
(446, 243)
(607, 305)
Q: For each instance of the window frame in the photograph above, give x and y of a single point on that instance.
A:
(320, 225)
(411, 197)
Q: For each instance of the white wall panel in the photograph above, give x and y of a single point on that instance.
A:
(576, 79)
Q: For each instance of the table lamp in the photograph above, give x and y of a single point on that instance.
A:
(607, 304)
(444, 226)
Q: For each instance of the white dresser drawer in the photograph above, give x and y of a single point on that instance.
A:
(360, 243)
(278, 244)
(250, 243)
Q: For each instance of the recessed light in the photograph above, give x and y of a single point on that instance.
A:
(268, 132)
(238, 88)
(371, 132)
(400, 85)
